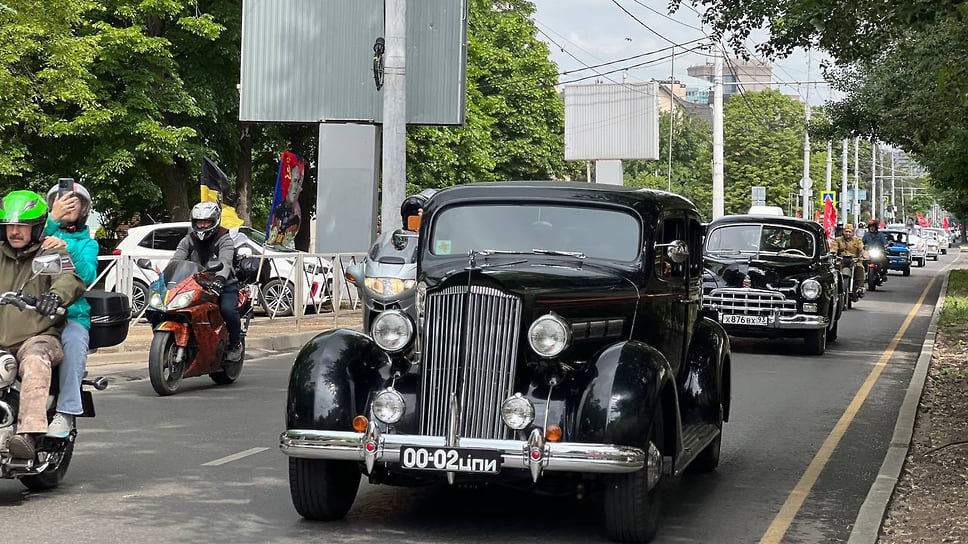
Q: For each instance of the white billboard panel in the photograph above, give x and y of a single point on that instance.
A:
(612, 121)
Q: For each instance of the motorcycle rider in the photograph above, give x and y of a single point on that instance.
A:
(851, 246)
(32, 337)
(207, 245)
(873, 238)
(68, 221)
(413, 205)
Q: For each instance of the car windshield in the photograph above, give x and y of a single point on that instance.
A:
(897, 237)
(760, 239)
(591, 232)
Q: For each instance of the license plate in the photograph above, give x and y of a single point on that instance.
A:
(450, 459)
(728, 319)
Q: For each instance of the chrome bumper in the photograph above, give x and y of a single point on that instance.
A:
(801, 322)
(534, 454)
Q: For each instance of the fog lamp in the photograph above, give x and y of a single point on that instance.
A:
(810, 308)
(517, 412)
(388, 406)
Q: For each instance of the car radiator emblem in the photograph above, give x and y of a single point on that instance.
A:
(746, 281)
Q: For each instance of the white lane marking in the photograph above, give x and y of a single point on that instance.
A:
(234, 457)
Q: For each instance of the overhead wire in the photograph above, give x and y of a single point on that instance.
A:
(647, 27)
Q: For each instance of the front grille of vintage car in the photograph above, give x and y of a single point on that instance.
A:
(749, 302)
(489, 354)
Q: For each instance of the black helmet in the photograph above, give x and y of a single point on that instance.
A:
(205, 211)
(82, 194)
(412, 204)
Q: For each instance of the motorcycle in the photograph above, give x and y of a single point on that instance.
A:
(53, 455)
(854, 292)
(190, 338)
(876, 268)
(386, 279)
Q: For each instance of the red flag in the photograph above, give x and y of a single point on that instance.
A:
(922, 221)
(883, 224)
(816, 215)
(829, 217)
(944, 223)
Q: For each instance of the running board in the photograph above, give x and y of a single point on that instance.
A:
(695, 438)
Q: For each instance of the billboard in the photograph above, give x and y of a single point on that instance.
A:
(612, 121)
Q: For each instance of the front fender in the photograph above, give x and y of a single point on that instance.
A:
(331, 379)
(628, 380)
(180, 331)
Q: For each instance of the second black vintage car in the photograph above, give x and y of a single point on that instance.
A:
(559, 345)
(770, 276)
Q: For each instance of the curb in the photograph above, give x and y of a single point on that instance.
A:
(867, 526)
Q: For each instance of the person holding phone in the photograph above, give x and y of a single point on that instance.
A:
(70, 205)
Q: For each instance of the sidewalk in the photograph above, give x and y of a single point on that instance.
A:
(265, 336)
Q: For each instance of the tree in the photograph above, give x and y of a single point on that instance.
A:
(515, 118)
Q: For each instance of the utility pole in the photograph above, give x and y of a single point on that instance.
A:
(394, 186)
(830, 163)
(719, 201)
(882, 204)
(805, 182)
(672, 110)
(873, 179)
(856, 204)
(893, 194)
(843, 184)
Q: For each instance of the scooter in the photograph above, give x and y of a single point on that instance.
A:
(876, 268)
(49, 466)
(854, 292)
(190, 338)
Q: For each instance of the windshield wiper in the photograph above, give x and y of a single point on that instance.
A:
(486, 252)
(726, 251)
(576, 254)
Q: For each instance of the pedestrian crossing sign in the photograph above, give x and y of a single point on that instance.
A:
(828, 195)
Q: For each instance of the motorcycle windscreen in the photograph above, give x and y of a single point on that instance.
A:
(173, 274)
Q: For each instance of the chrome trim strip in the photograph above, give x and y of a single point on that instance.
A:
(559, 456)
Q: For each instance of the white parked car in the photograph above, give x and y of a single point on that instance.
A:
(275, 291)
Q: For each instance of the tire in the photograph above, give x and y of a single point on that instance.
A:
(53, 476)
(277, 292)
(816, 341)
(872, 281)
(631, 508)
(164, 373)
(907, 271)
(832, 330)
(321, 489)
(139, 297)
(230, 371)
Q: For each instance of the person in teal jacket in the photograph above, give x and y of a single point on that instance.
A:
(68, 221)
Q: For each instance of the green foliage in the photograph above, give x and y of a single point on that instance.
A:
(955, 309)
(515, 119)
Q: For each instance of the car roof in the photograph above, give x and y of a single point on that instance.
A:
(797, 222)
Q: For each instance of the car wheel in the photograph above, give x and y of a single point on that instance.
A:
(139, 297)
(631, 508)
(816, 341)
(54, 474)
(832, 330)
(322, 489)
(276, 297)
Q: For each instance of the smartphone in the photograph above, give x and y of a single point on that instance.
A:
(65, 186)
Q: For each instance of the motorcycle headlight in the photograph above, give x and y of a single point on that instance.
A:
(811, 289)
(876, 253)
(549, 335)
(386, 287)
(155, 300)
(517, 412)
(181, 300)
(392, 330)
(388, 406)
(420, 298)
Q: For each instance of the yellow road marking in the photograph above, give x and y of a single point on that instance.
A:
(776, 530)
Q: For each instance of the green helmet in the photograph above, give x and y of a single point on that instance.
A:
(24, 208)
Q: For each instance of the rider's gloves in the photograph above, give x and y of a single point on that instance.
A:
(48, 303)
(217, 285)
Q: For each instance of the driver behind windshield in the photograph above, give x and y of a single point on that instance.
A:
(208, 245)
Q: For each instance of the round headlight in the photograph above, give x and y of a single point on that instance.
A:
(517, 412)
(155, 300)
(876, 253)
(392, 330)
(388, 406)
(811, 289)
(420, 298)
(549, 335)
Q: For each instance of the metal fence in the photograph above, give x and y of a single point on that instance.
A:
(321, 273)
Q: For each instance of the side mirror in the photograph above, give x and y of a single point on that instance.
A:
(401, 239)
(47, 265)
(354, 273)
(677, 251)
(143, 263)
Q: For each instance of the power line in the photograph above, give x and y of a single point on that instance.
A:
(660, 14)
(647, 27)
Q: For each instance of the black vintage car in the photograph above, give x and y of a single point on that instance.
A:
(770, 276)
(560, 345)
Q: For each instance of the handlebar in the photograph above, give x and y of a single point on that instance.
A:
(24, 301)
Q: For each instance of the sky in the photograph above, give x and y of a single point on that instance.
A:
(597, 31)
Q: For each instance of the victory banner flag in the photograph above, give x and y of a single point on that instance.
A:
(286, 214)
(215, 187)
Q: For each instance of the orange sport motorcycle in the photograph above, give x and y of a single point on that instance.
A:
(190, 338)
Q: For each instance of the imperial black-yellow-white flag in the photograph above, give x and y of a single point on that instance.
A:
(215, 187)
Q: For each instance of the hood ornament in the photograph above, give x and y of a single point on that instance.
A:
(746, 281)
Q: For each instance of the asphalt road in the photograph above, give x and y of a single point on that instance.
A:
(204, 465)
